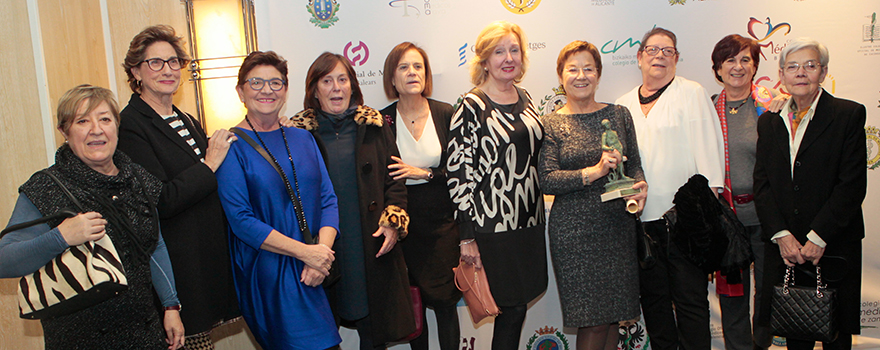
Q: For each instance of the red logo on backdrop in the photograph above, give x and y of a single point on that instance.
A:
(356, 54)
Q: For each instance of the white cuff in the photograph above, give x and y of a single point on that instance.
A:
(779, 235)
(814, 237)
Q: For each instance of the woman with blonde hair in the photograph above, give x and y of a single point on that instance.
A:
(494, 138)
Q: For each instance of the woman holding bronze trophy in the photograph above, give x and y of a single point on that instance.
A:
(592, 242)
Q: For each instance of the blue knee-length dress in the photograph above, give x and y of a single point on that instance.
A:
(281, 311)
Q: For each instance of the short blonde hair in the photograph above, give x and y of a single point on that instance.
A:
(486, 42)
(73, 99)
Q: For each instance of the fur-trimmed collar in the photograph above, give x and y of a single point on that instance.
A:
(307, 119)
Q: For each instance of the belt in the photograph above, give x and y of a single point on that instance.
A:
(743, 198)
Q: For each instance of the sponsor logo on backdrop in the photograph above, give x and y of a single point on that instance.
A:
(757, 29)
(778, 341)
(520, 7)
(547, 338)
(552, 102)
(872, 30)
(632, 336)
(870, 312)
(602, 2)
(408, 8)
(323, 12)
(612, 46)
(870, 37)
(872, 135)
(356, 54)
(462, 55)
(676, 2)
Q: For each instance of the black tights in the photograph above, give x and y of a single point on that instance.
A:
(365, 335)
(448, 331)
(508, 327)
(603, 337)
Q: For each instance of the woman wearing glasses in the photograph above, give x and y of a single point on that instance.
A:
(810, 181)
(172, 145)
(678, 136)
(278, 272)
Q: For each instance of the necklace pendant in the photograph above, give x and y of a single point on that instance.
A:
(733, 110)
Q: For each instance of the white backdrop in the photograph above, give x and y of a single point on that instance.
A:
(366, 30)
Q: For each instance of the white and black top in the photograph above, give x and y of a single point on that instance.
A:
(492, 165)
(492, 173)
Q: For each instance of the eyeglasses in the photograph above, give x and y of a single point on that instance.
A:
(275, 83)
(652, 50)
(156, 64)
(809, 66)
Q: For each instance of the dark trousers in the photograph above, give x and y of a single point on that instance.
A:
(674, 297)
(735, 310)
(448, 330)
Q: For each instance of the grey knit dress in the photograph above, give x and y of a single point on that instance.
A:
(592, 244)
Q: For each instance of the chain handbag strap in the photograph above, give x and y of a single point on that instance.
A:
(293, 193)
(789, 281)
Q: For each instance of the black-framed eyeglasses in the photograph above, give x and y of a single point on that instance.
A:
(652, 50)
(156, 64)
(275, 84)
(809, 66)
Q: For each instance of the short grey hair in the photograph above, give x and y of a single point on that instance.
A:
(804, 43)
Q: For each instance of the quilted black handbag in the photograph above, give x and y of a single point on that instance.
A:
(805, 313)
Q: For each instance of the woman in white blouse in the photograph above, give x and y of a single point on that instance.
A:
(679, 136)
(421, 128)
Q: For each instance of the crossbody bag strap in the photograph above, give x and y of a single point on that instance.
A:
(73, 199)
(307, 234)
(62, 213)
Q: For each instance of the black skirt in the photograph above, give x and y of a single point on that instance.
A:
(431, 247)
(515, 264)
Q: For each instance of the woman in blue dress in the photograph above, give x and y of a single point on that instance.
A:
(277, 274)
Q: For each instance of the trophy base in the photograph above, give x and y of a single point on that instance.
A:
(623, 192)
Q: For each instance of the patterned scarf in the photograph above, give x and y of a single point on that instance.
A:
(762, 99)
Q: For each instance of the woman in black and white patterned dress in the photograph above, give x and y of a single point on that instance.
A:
(495, 137)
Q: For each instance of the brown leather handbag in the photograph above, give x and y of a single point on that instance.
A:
(473, 284)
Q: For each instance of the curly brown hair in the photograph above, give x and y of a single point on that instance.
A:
(139, 44)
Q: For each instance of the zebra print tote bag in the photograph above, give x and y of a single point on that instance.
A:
(82, 276)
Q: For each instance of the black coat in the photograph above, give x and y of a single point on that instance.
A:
(193, 224)
(382, 202)
(431, 250)
(824, 194)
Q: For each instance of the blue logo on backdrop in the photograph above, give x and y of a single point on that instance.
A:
(462, 55)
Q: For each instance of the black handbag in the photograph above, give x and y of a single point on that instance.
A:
(335, 274)
(805, 313)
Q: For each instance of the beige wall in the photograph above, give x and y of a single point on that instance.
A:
(23, 151)
(74, 51)
(129, 17)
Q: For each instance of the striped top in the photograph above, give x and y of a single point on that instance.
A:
(177, 124)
